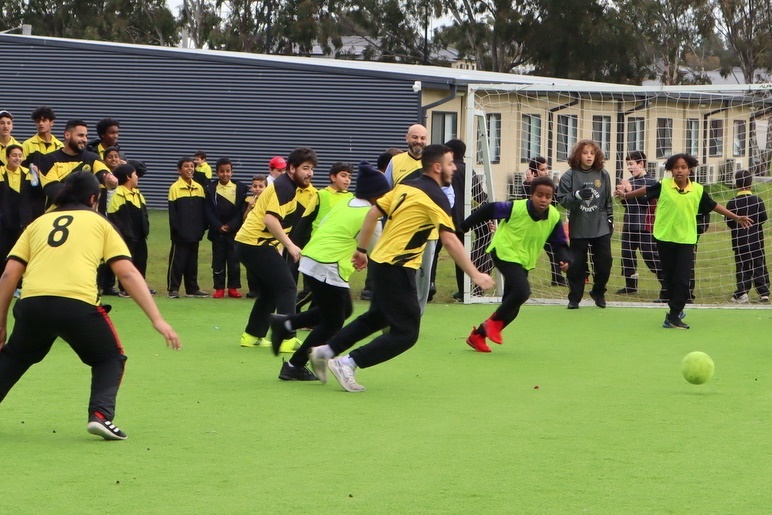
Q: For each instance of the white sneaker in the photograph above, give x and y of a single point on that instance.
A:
(345, 375)
(764, 298)
(742, 299)
(318, 364)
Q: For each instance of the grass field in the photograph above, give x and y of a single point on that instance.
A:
(579, 411)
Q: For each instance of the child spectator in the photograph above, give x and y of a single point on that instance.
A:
(203, 172)
(637, 226)
(21, 201)
(586, 191)
(259, 183)
(127, 211)
(224, 207)
(675, 228)
(748, 243)
(524, 227)
(187, 223)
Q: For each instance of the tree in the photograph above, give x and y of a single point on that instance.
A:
(493, 32)
(670, 30)
(746, 26)
(587, 40)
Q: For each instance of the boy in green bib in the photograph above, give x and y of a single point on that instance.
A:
(524, 227)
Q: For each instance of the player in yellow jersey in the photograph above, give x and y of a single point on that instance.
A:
(76, 238)
(266, 227)
(413, 210)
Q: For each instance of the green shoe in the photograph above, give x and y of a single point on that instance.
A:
(290, 345)
(247, 340)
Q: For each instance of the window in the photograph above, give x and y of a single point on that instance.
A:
(530, 144)
(493, 126)
(692, 137)
(601, 133)
(664, 137)
(444, 126)
(716, 138)
(567, 130)
(635, 134)
(739, 142)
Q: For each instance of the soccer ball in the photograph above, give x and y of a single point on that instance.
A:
(697, 367)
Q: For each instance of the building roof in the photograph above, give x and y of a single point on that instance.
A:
(431, 76)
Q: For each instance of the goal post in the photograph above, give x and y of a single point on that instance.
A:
(727, 128)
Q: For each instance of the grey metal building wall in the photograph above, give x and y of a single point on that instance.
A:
(170, 105)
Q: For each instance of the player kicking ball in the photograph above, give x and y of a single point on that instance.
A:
(57, 304)
(524, 228)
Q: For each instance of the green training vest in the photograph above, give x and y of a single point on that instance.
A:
(521, 238)
(676, 217)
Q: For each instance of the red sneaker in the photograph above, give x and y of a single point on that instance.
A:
(477, 342)
(493, 330)
(234, 293)
(218, 294)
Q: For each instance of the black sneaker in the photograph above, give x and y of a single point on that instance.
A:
(251, 295)
(100, 426)
(279, 332)
(573, 305)
(110, 292)
(672, 322)
(599, 298)
(366, 295)
(290, 373)
(626, 291)
(198, 294)
(174, 294)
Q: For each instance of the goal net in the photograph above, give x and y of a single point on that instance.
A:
(727, 128)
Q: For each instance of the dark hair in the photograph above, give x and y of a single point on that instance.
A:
(111, 149)
(201, 154)
(301, 155)
(743, 179)
(258, 177)
(458, 147)
(71, 124)
(636, 155)
(78, 188)
(43, 112)
(691, 161)
(383, 161)
(181, 161)
(104, 124)
(340, 166)
(534, 163)
(394, 151)
(575, 159)
(542, 180)
(433, 154)
(222, 161)
(11, 147)
(123, 172)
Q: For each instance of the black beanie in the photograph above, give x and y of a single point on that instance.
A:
(370, 182)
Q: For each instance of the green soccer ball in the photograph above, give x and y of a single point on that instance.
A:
(697, 367)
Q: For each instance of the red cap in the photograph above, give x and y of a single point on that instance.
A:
(278, 163)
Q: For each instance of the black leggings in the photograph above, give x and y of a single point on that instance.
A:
(332, 306)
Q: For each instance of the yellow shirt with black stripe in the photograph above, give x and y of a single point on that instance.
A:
(413, 209)
(405, 167)
(36, 146)
(13, 178)
(57, 165)
(278, 199)
(3, 157)
(62, 250)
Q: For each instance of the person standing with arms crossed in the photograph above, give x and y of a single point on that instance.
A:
(73, 236)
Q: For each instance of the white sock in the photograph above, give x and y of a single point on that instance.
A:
(346, 360)
(288, 325)
(326, 351)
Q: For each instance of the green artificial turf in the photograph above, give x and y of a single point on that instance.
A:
(611, 428)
